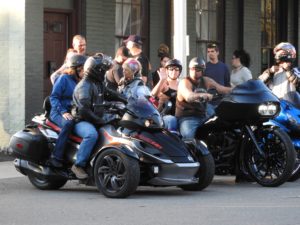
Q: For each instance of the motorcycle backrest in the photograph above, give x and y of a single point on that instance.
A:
(47, 106)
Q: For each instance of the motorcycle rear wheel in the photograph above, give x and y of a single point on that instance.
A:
(205, 174)
(276, 167)
(44, 183)
(296, 172)
(116, 175)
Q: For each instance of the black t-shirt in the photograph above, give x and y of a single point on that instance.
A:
(115, 71)
(155, 78)
(144, 61)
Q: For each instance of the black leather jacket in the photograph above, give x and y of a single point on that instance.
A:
(89, 93)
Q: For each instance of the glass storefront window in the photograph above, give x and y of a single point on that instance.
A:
(268, 32)
(129, 19)
(209, 16)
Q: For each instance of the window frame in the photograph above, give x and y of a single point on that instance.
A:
(143, 29)
(219, 39)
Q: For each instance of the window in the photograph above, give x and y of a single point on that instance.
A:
(209, 24)
(130, 19)
(268, 32)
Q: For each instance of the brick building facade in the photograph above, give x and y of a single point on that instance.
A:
(23, 49)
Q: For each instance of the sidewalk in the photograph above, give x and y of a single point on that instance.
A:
(4, 156)
(8, 170)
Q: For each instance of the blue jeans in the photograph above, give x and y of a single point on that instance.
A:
(210, 110)
(189, 125)
(89, 134)
(170, 123)
(66, 129)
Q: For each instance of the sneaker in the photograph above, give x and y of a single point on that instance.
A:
(79, 172)
(53, 162)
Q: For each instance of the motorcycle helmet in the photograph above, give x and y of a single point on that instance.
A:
(133, 65)
(197, 62)
(97, 65)
(175, 63)
(75, 61)
(284, 52)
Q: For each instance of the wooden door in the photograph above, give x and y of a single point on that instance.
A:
(55, 45)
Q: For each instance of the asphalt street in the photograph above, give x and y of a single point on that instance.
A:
(223, 202)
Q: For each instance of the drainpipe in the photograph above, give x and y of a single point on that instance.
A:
(180, 43)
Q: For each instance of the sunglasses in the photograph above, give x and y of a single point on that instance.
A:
(173, 68)
(197, 69)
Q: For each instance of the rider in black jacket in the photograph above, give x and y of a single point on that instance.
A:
(88, 95)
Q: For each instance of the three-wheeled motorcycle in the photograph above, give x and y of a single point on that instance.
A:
(133, 149)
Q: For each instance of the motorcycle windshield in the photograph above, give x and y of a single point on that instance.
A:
(141, 107)
(243, 102)
(253, 92)
(139, 91)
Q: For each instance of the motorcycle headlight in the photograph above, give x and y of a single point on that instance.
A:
(267, 109)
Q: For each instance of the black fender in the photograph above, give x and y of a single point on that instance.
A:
(125, 149)
(197, 147)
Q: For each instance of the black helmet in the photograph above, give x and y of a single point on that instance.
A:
(174, 62)
(197, 62)
(284, 52)
(97, 65)
(76, 60)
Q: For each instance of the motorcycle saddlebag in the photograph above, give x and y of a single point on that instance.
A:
(30, 144)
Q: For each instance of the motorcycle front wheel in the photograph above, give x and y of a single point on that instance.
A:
(116, 175)
(205, 174)
(275, 166)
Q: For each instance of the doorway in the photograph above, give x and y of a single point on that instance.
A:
(55, 44)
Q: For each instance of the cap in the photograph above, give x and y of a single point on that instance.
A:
(134, 38)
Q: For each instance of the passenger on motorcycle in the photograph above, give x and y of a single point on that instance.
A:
(61, 102)
(132, 77)
(89, 93)
(79, 47)
(166, 90)
(191, 109)
(284, 80)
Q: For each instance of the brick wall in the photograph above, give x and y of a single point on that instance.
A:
(100, 26)
(12, 84)
(34, 53)
(231, 29)
(191, 30)
(252, 38)
(158, 23)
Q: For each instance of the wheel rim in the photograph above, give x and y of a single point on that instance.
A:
(112, 173)
(41, 181)
(297, 163)
(272, 166)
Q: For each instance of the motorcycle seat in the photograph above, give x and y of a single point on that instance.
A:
(58, 129)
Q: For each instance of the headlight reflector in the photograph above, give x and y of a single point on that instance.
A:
(267, 109)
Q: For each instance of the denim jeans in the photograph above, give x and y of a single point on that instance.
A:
(170, 123)
(210, 110)
(189, 125)
(66, 129)
(89, 134)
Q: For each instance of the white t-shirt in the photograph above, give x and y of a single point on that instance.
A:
(240, 76)
(281, 86)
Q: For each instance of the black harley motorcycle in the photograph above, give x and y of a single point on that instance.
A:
(132, 150)
(240, 142)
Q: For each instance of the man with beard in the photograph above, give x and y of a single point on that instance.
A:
(191, 99)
